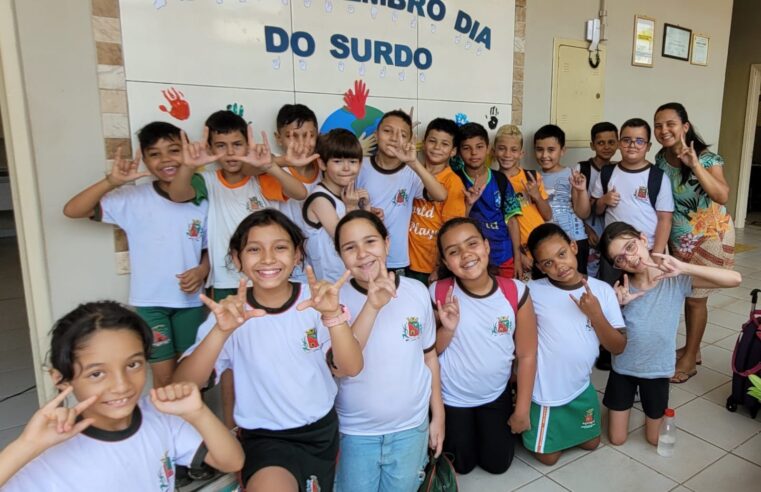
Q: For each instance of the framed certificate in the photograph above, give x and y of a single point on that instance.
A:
(699, 50)
(644, 41)
(676, 42)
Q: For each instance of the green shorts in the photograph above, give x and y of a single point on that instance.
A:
(219, 294)
(558, 428)
(174, 329)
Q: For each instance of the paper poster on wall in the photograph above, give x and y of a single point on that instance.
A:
(185, 59)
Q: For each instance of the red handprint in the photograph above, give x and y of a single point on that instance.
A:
(180, 108)
(355, 99)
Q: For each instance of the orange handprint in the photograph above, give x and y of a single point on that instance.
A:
(355, 99)
(180, 108)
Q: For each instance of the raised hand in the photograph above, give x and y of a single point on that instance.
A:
(532, 187)
(578, 181)
(378, 212)
(231, 311)
(588, 303)
(125, 171)
(380, 290)
(449, 312)
(353, 197)
(612, 197)
(473, 193)
(623, 294)
(324, 294)
(179, 399)
(687, 155)
(53, 424)
(404, 151)
(670, 266)
(196, 154)
(257, 155)
(296, 154)
(415, 124)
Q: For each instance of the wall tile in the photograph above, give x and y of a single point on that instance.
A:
(109, 53)
(105, 8)
(111, 77)
(106, 29)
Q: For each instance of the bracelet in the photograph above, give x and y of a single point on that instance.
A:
(337, 320)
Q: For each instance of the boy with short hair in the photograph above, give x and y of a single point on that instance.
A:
(490, 198)
(167, 242)
(604, 143)
(528, 186)
(428, 216)
(394, 177)
(567, 189)
(634, 191)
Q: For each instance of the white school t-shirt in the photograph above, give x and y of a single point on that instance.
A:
(141, 457)
(229, 204)
(165, 240)
(568, 345)
(393, 391)
(281, 377)
(320, 246)
(476, 365)
(635, 208)
(392, 191)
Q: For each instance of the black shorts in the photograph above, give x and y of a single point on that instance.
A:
(308, 452)
(653, 393)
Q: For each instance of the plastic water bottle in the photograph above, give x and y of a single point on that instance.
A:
(667, 434)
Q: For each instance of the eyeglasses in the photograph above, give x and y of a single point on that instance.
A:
(631, 249)
(637, 142)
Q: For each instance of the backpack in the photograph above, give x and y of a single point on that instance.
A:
(746, 360)
(585, 168)
(440, 475)
(502, 184)
(654, 180)
(506, 285)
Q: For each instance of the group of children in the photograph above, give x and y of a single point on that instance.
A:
(380, 306)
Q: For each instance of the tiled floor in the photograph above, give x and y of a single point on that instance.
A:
(716, 450)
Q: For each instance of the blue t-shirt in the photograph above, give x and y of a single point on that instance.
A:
(558, 188)
(651, 324)
(492, 213)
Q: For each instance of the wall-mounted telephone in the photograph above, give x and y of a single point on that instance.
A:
(593, 36)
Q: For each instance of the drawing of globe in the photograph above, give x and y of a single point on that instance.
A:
(343, 118)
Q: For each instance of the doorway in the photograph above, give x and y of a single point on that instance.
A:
(748, 205)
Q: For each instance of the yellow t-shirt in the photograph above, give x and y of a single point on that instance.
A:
(530, 217)
(428, 217)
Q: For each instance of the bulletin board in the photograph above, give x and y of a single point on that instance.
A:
(349, 61)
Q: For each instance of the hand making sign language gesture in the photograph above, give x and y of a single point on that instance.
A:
(323, 294)
(296, 153)
(230, 313)
(623, 294)
(355, 198)
(125, 171)
(588, 303)
(380, 290)
(404, 151)
(532, 187)
(473, 193)
(449, 312)
(578, 181)
(196, 154)
(257, 156)
(687, 154)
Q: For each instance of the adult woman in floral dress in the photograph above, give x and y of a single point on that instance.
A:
(702, 231)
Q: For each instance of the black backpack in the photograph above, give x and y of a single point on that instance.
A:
(746, 360)
(654, 180)
(585, 168)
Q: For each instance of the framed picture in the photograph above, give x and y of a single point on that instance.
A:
(699, 50)
(644, 41)
(676, 42)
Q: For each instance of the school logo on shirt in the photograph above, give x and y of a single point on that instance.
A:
(401, 197)
(641, 193)
(523, 199)
(411, 329)
(166, 472)
(502, 326)
(160, 335)
(254, 204)
(310, 341)
(313, 485)
(195, 231)
(589, 419)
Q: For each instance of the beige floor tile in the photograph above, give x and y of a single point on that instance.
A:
(704, 381)
(713, 423)
(715, 332)
(741, 292)
(750, 449)
(606, 470)
(599, 379)
(728, 342)
(729, 473)
(719, 300)
(544, 484)
(691, 455)
(727, 319)
(739, 306)
(719, 395)
(680, 488)
(717, 358)
(568, 456)
(517, 476)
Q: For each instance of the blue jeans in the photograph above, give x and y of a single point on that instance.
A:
(387, 463)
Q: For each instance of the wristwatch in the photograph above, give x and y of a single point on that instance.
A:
(337, 320)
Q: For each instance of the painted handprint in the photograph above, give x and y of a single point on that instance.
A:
(493, 117)
(179, 107)
(236, 108)
(355, 99)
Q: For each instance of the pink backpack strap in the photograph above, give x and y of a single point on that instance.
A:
(509, 290)
(442, 287)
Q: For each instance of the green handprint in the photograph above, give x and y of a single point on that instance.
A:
(236, 108)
